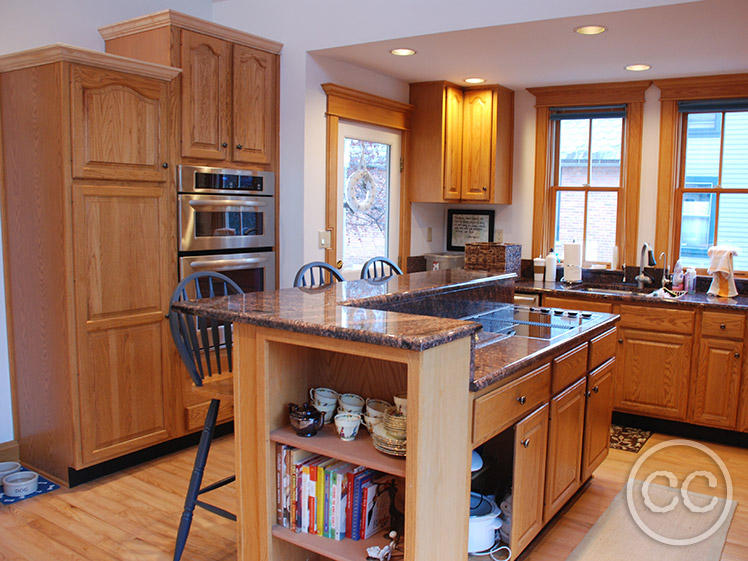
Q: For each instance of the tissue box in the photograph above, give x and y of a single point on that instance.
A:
(492, 256)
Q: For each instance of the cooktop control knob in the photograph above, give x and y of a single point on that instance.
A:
(572, 313)
(558, 312)
(545, 310)
(586, 314)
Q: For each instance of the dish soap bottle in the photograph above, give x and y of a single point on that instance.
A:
(678, 276)
(551, 262)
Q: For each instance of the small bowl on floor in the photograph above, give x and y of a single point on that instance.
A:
(6, 468)
(21, 483)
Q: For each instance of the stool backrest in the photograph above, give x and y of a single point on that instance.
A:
(314, 273)
(379, 267)
(201, 341)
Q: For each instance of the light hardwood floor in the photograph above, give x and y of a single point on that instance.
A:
(133, 515)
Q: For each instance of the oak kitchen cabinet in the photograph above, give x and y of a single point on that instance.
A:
(461, 143)
(88, 238)
(229, 85)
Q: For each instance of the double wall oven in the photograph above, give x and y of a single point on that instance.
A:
(227, 224)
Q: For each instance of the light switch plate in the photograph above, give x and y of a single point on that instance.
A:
(498, 235)
(323, 239)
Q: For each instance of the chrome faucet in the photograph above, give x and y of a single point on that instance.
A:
(665, 280)
(643, 278)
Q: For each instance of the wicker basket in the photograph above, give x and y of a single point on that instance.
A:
(491, 256)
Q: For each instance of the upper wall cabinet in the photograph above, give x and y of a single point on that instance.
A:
(229, 85)
(462, 141)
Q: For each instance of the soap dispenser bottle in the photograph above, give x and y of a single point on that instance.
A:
(551, 262)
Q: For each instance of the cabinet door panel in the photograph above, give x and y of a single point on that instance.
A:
(477, 145)
(599, 408)
(530, 444)
(205, 96)
(119, 125)
(653, 373)
(254, 105)
(715, 390)
(565, 439)
(452, 142)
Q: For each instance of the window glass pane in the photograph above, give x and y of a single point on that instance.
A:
(573, 152)
(569, 219)
(602, 216)
(702, 149)
(735, 152)
(605, 163)
(367, 171)
(697, 228)
(733, 210)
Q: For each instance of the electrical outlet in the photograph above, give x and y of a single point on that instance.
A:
(323, 238)
(429, 236)
(498, 235)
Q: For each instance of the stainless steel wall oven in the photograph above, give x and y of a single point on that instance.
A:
(226, 223)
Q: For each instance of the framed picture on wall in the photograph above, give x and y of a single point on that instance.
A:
(468, 226)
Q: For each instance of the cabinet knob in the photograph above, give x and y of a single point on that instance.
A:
(238, 146)
(225, 145)
(596, 389)
(737, 355)
(522, 400)
(526, 442)
(588, 394)
(165, 165)
(485, 188)
(722, 326)
(620, 340)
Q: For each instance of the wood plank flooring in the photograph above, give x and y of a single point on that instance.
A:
(133, 515)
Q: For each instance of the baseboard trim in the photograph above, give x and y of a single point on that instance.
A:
(9, 451)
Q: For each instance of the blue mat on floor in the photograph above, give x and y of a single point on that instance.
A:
(45, 486)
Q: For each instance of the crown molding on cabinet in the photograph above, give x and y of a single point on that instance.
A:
(166, 18)
(60, 52)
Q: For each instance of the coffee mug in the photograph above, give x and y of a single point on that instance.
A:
(347, 425)
(376, 407)
(323, 396)
(328, 410)
(401, 403)
(350, 403)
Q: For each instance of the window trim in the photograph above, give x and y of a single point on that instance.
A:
(630, 94)
(673, 90)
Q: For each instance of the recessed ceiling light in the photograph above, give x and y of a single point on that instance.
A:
(590, 29)
(475, 80)
(638, 67)
(402, 52)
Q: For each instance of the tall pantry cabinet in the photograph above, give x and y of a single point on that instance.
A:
(89, 251)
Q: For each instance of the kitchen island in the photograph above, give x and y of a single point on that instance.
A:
(376, 339)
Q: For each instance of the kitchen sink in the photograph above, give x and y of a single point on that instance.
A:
(601, 290)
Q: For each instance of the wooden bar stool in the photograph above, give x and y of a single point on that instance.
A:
(205, 346)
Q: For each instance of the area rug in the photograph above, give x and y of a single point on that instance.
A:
(617, 537)
(45, 486)
(628, 439)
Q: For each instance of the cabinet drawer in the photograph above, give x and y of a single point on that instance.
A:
(569, 367)
(494, 412)
(719, 324)
(577, 304)
(602, 348)
(657, 319)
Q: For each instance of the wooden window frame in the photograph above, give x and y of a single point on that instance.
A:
(630, 94)
(361, 107)
(673, 90)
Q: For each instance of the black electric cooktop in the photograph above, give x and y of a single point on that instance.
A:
(539, 323)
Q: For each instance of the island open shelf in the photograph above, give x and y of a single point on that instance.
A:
(360, 451)
(343, 550)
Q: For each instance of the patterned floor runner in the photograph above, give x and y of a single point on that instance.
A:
(628, 439)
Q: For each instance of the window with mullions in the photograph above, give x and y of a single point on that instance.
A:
(587, 178)
(712, 193)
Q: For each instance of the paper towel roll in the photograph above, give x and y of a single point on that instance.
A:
(572, 262)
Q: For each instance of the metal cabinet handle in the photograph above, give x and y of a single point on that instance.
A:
(737, 355)
(596, 389)
(722, 326)
(239, 146)
(165, 165)
(588, 394)
(485, 188)
(522, 400)
(526, 442)
(225, 145)
(620, 340)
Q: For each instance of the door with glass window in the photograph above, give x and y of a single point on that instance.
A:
(368, 198)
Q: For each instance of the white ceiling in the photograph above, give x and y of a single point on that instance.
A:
(695, 38)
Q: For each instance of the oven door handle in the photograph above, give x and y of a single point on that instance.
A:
(230, 264)
(224, 204)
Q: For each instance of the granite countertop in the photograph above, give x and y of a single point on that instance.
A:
(696, 299)
(403, 311)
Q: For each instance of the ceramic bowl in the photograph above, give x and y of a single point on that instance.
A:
(6, 468)
(21, 483)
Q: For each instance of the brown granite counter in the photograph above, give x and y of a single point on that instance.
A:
(417, 311)
(697, 299)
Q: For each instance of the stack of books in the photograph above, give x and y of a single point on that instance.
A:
(329, 497)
